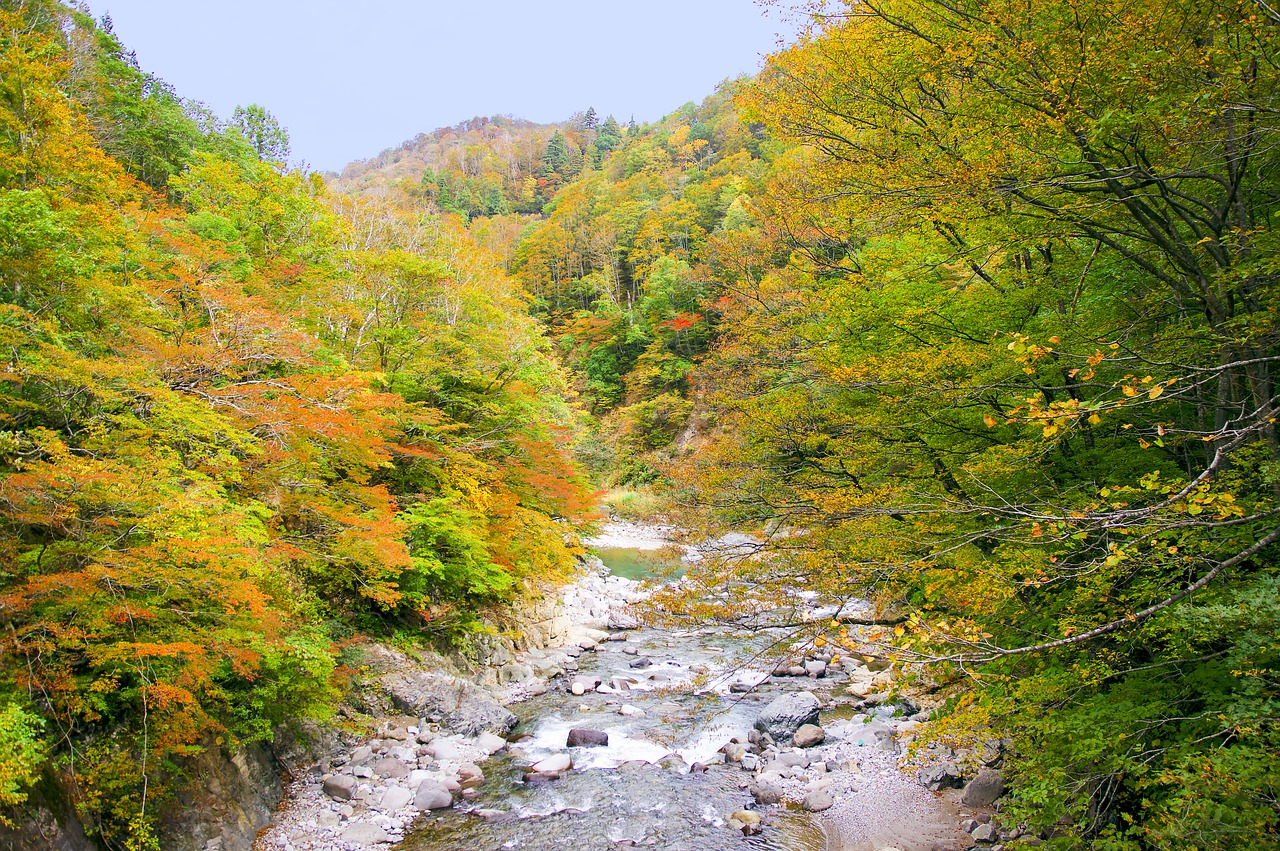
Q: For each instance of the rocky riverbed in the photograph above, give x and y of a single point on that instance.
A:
(601, 734)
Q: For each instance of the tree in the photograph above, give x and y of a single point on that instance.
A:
(263, 132)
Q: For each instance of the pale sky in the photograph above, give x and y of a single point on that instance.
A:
(349, 79)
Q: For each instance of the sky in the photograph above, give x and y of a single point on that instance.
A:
(350, 79)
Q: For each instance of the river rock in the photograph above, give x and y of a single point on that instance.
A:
(364, 833)
(745, 821)
(631, 711)
(395, 798)
(734, 752)
(578, 688)
(340, 787)
(642, 662)
(489, 743)
(445, 749)
(983, 790)
(815, 669)
(470, 775)
(819, 800)
(391, 768)
(554, 764)
(983, 833)
(432, 796)
(580, 738)
(788, 713)
(943, 776)
(766, 791)
(539, 778)
(808, 736)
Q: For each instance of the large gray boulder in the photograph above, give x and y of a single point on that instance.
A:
(983, 790)
(788, 713)
(340, 787)
(432, 796)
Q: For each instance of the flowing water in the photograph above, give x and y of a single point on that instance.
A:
(638, 790)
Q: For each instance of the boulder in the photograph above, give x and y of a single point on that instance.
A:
(815, 669)
(642, 662)
(745, 821)
(819, 800)
(766, 792)
(808, 736)
(489, 743)
(340, 787)
(579, 738)
(395, 798)
(983, 790)
(943, 776)
(983, 833)
(391, 768)
(444, 749)
(432, 796)
(788, 713)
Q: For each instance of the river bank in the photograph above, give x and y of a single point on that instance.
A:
(676, 755)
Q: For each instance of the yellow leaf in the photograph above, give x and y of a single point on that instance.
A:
(899, 631)
(1050, 431)
(1155, 392)
(1128, 391)
(990, 421)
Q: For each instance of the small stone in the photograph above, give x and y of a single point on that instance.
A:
(642, 662)
(578, 688)
(328, 818)
(631, 711)
(815, 669)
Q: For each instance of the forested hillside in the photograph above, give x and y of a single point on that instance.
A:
(241, 421)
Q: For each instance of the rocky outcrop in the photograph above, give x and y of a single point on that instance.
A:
(438, 696)
(232, 799)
